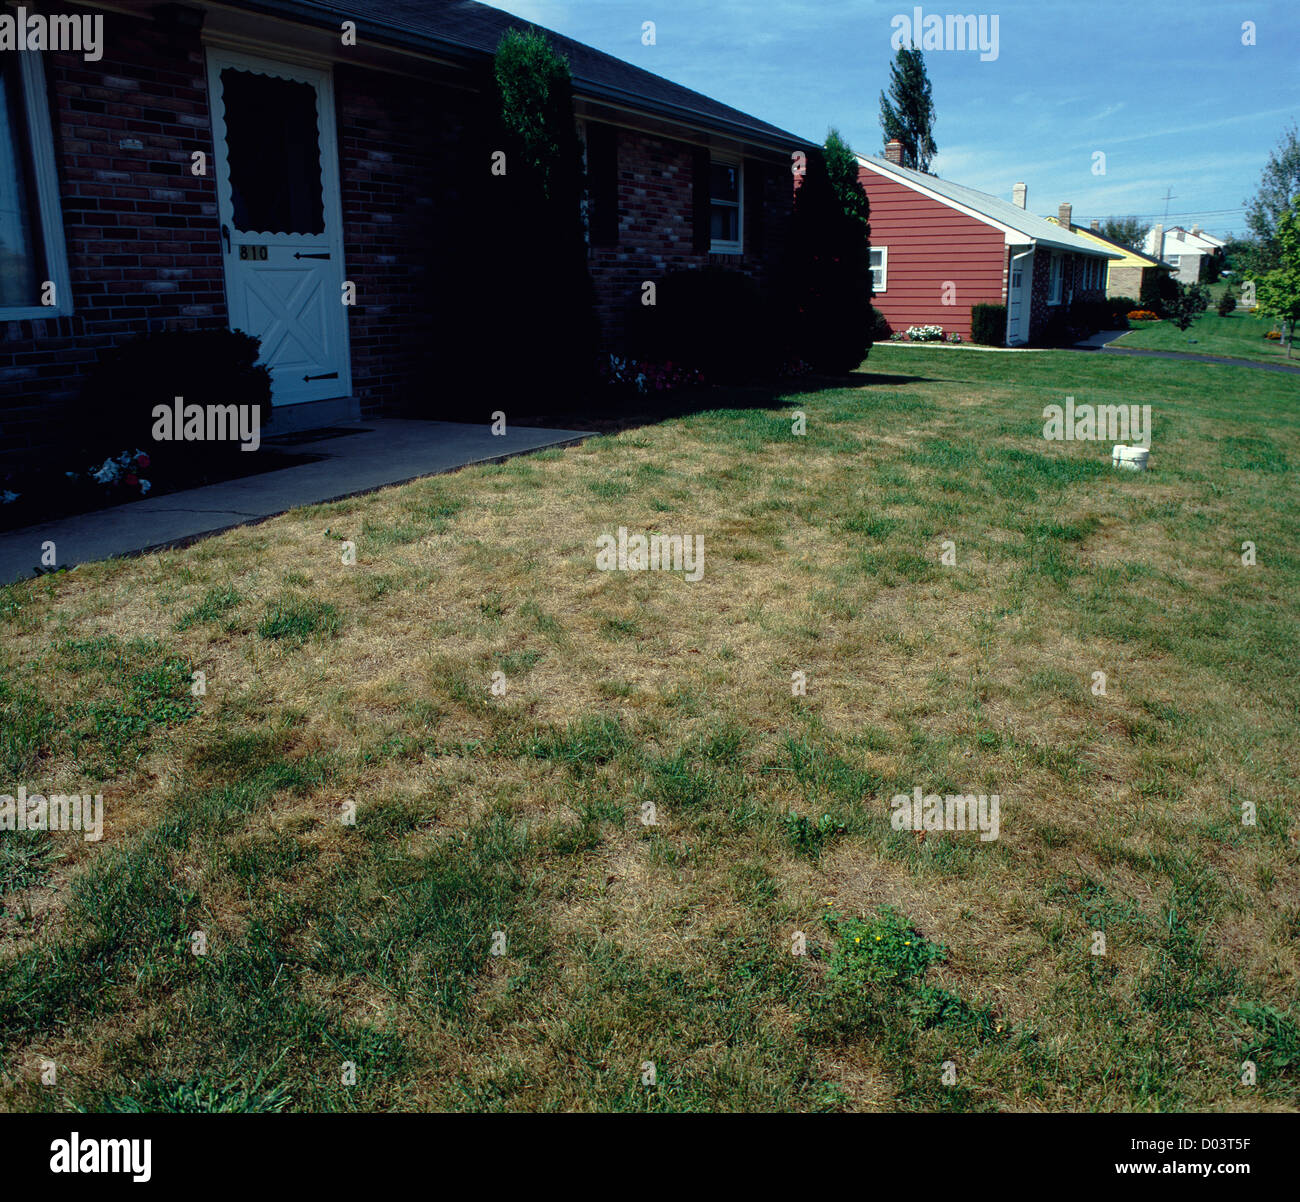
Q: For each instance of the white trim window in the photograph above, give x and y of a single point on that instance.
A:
(1174, 260)
(33, 260)
(726, 206)
(879, 268)
(1055, 277)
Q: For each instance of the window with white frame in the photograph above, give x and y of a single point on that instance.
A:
(1174, 260)
(725, 207)
(1055, 277)
(879, 268)
(33, 262)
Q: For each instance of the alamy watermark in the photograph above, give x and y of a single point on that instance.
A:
(1098, 423)
(58, 812)
(180, 422)
(952, 31)
(950, 812)
(86, 1154)
(80, 33)
(651, 553)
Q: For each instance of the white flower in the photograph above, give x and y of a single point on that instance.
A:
(145, 486)
(108, 473)
(8, 498)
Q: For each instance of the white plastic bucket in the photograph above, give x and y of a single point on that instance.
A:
(1132, 458)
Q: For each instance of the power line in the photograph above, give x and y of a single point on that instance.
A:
(1185, 213)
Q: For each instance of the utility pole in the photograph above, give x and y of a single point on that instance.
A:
(1164, 224)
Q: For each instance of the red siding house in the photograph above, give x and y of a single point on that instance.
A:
(236, 163)
(938, 248)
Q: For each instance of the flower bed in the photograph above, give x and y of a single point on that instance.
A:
(45, 491)
(1142, 315)
(642, 376)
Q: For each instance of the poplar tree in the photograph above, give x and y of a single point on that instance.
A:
(907, 112)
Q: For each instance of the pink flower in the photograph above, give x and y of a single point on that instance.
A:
(142, 461)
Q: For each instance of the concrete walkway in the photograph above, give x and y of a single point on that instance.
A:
(382, 452)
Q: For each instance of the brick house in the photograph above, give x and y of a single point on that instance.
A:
(1132, 273)
(236, 163)
(938, 248)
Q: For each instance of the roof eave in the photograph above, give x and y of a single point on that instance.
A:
(397, 36)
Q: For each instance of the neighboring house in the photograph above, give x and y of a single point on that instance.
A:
(1131, 272)
(326, 163)
(1184, 250)
(938, 248)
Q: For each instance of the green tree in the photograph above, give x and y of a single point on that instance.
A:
(529, 282)
(1277, 292)
(907, 113)
(535, 92)
(1187, 304)
(1127, 231)
(829, 263)
(1278, 184)
(842, 170)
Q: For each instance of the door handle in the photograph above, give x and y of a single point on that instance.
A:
(225, 233)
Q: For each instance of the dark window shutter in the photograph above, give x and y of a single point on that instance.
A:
(755, 230)
(703, 235)
(602, 183)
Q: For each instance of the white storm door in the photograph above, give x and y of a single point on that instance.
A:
(1022, 271)
(281, 224)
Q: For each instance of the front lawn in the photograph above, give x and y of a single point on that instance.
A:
(500, 928)
(1239, 335)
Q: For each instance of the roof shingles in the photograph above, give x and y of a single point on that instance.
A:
(475, 29)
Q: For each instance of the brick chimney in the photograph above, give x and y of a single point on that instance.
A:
(1158, 242)
(1095, 226)
(1196, 229)
(894, 151)
(1019, 195)
(1063, 214)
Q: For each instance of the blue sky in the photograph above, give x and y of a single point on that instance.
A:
(1166, 90)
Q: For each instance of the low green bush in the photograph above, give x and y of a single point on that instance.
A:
(710, 320)
(988, 324)
(115, 412)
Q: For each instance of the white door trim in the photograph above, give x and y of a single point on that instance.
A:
(321, 78)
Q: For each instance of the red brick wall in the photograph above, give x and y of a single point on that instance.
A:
(400, 152)
(141, 230)
(1072, 274)
(143, 234)
(931, 245)
(656, 225)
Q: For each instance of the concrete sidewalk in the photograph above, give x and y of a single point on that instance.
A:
(382, 452)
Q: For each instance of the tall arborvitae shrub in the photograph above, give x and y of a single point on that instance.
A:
(524, 303)
(829, 262)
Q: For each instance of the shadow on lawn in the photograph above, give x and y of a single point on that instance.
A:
(608, 414)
